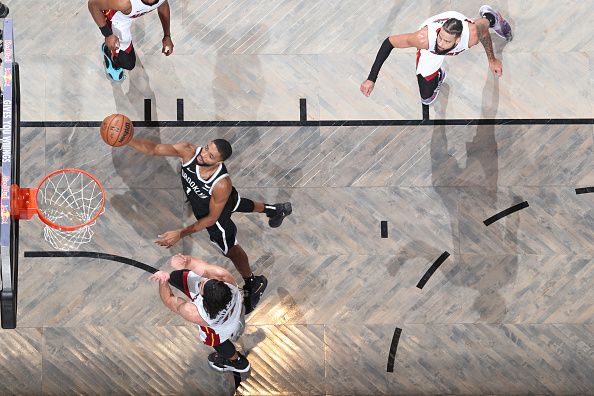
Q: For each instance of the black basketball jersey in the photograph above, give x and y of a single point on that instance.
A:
(198, 191)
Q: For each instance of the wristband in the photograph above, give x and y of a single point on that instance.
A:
(106, 30)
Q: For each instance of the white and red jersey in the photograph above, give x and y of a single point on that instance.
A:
(428, 62)
(121, 23)
(227, 323)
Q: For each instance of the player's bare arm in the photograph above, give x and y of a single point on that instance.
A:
(416, 39)
(181, 307)
(220, 195)
(96, 8)
(165, 17)
(184, 150)
(202, 268)
(219, 273)
(482, 26)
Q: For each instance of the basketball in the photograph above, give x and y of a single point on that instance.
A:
(117, 130)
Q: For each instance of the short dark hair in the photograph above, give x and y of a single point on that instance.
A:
(453, 26)
(216, 296)
(224, 148)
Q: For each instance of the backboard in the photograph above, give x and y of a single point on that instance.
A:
(9, 228)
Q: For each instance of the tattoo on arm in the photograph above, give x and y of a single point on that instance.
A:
(485, 39)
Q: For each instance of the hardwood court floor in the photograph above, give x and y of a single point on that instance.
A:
(509, 312)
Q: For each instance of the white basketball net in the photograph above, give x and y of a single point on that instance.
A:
(68, 240)
(69, 198)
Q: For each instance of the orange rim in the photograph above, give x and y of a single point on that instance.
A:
(75, 227)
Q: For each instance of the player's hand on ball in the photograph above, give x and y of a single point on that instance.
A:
(179, 261)
(112, 42)
(168, 238)
(167, 46)
(496, 67)
(160, 276)
(367, 87)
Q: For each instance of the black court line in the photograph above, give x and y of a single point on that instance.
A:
(322, 123)
(96, 255)
(584, 190)
(425, 112)
(432, 269)
(384, 229)
(302, 109)
(393, 348)
(506, 212)
(147, 110)
(180, 110)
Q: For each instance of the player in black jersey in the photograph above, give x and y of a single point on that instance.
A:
(213, 199)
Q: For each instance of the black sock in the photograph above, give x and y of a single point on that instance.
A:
(248, 281)
(270, 210)
(491, 19)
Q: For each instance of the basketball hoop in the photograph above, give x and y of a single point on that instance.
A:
(68, 201)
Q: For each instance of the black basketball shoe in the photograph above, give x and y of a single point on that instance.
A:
(282, 211)
(253, 292)
(501, 26)
(219, 363)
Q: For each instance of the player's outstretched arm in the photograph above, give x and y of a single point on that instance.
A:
(165, 17)
(184, 150)
(202, 268)
(417, 40)
(96, 8)
(485, 38)
(220, 194)
(186, 310)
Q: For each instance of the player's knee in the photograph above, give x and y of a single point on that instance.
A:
(245, 206)
(126, 62)
(426, 88)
